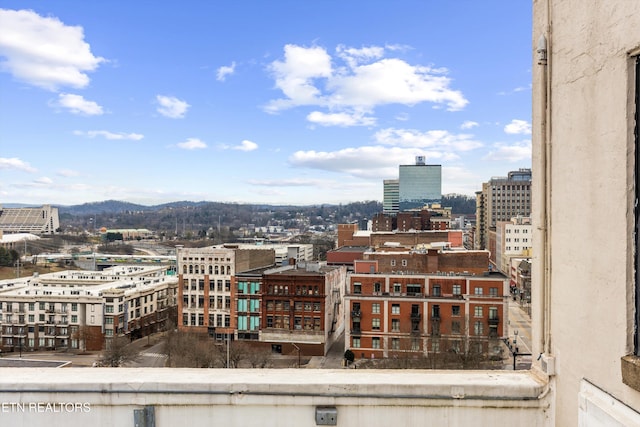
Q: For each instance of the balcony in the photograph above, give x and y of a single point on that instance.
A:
(417, 317)
(494, 320)
(355, 314)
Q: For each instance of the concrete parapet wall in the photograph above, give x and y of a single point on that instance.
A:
(269, 397)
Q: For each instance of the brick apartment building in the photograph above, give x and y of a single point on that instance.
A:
(394, 314)
(302, 307)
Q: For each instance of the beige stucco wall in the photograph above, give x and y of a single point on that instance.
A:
(589, 177)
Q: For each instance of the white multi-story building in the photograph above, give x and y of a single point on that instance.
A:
(514, 239)
(79, 309)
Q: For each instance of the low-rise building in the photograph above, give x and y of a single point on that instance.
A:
(302, 307)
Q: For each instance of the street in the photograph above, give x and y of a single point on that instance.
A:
(519, 334)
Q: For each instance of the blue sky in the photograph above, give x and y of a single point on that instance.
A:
(278, 102)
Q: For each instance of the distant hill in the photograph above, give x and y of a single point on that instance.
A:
(116, 206)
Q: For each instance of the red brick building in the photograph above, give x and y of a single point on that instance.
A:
(302, 307)
(391, 314)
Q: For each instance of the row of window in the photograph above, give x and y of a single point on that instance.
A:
(31, 306)
(31, 318)
(198, 285)
(298, 290)
(217, 320)
(307, 323)
(415, 289)
(215, 302)
(285, 305)
(200, 269)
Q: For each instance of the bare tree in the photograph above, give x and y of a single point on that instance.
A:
(117, 352)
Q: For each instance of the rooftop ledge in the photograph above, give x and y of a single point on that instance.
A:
(333, 383)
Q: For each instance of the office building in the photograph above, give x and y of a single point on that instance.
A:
(391, 196)
(501, 199)
(420, 185)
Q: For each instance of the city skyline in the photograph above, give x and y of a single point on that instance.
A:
(251, 102)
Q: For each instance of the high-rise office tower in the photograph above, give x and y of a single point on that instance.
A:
(420, 185)
(501, 199)
(391, 196)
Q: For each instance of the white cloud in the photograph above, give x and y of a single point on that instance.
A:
(17, 164)
(43, 51)
(368, 162)
(292, 182)
(76, 104)
(109, 135)
(468, 124)
(353, 56)
(245, 145)
(67, 173)
(340, 119)
(295, 75)
(172, 107)
(363, 81)
(43, 181)
(518, 127)
(225, 71)
(434, 139)
(510, 152)
(192, 144)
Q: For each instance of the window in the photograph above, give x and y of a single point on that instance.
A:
(478, 291)
(357, 288)
(457, 289)
(455, 310)
(478, 328)
(395, 325)
(375, 308)
(74, 306)
(493, 292)
(395, 308)
(477, 311)
(436, 290)
(415, 344)
(377, 287)
(355, 342)
(395, 343)
(455, 327)
(397, 288)
(393, 263)
(375, 324)
(74, 318)
(375, 342)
